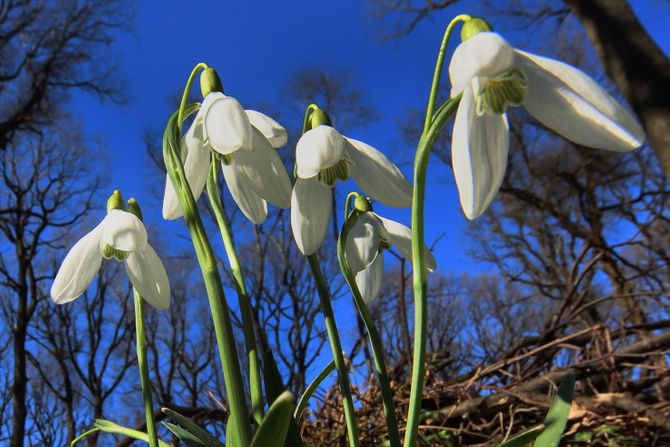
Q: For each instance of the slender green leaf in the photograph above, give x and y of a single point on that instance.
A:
(273, 388)
(113, 427)
(187, 437)
(274, 428)
(304, 399)
(193, 428)
(557, 417)
(525, 438)
(231, 440)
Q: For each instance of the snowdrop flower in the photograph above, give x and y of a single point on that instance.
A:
(119, 236)
(244, 141)
(370, 235)
(323, 157)
(493, 76)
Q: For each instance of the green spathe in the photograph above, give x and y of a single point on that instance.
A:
(210, 82)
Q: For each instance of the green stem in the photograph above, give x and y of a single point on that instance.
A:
(418, 266)
(438, 69)
(336, 348)
(311, 389)
(373, 335)
(242, 295)
(207, 261)
(187, 90)
(143, 366)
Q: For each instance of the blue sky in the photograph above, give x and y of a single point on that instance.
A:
(255, 47)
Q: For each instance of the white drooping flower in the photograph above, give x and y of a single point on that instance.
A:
(370, 235)
(323, 157)
(119, 236)
(492, 76)
(245, 142)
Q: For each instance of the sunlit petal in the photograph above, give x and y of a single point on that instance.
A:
(311, 205)
(265, 171)
(484, 54)
(363, 242)
(369, 281)
(479, 155)
(569, 102)
(271, 129)
(195, 157)
(318, 148)
(400, 236)
(378, 176)
(250, 203)
(123, 231)
(226, 126)
(147, 274)
(78, 268)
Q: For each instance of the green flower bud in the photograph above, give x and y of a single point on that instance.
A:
(116, 202)
(474, 26)
(362, 204)
(134, 208)
(319, 117)
(210, 82)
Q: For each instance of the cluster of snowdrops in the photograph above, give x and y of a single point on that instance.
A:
(487, 77)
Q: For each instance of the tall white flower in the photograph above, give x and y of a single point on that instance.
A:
(244, 142)
(492, 76)
(370, 235)
(119, 236)
(324, 156)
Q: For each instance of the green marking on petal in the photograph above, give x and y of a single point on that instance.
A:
(226, 159)
(339, 171)
(499, 93)
(109, 252)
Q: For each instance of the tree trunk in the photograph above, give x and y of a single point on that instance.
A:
(634, 62)
(19, 386)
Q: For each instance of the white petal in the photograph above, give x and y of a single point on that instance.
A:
(250, 203)
(569, 102)
(226, 126)
(369, 281)
(479, 155)
(147, 274)
(78, 268)
(123, 231)
(195, 157)
(400, 236)
(271, 129)
(265, 171)
(318, 148)
(484, 54)
(311, 205)
(363, 242)
(378, 176)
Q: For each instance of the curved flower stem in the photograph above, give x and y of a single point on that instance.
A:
(142, 364)
(438, 69)
(207, 261)
(336, 347)
(187, 90)
(419, 270)
(373, 335)
(242, 295)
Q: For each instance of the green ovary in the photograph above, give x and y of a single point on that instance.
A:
(499, 93)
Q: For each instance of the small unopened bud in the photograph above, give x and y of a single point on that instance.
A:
(474, 26)
(210, 82)
(134, 208)
(116, 202)
(319, 117)
(362, 204)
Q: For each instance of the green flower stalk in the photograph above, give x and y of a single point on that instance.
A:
(432, 125)
(207, 261)
(141, 348)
